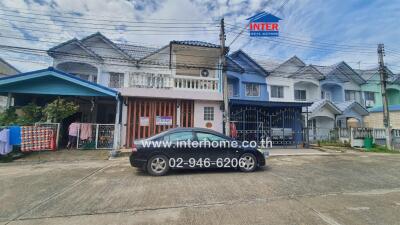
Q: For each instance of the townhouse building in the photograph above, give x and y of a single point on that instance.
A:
(342, 86)
(373, 97)
(255, 112)
(178, 85)
(335, 93)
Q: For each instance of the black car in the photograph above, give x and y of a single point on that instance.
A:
(189, 148)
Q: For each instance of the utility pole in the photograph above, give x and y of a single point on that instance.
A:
(383, 76)
(224, 79)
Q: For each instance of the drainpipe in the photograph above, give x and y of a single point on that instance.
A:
(117, 128)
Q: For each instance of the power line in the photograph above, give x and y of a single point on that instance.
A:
(366, 45)
(123, 28)
(241, 32)
(13, 37)
(110, 48)
(148, 64)
(308, 45)
(106, 20)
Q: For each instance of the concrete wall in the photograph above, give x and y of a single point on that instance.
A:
(288, 90)
(247, 78)
(375, 119)
(199, 121)
(313, 91)
(196, 59)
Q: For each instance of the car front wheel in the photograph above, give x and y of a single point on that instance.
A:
(158, 165)
(247, 162)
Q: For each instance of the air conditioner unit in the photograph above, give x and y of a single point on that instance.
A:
(369, 103)
(204, 73)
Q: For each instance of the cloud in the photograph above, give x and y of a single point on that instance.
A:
(318, 31)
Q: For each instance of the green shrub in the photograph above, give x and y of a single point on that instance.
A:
(59, 109)
(8, 117)
(32, 113)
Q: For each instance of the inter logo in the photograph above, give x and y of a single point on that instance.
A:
(264, 25)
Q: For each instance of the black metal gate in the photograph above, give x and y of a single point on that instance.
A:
(283, 126)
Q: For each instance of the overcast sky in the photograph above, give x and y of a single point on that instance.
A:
(320, 32)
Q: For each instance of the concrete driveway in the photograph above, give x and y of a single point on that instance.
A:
(326, 189)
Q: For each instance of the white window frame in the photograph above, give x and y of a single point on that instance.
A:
(121, 77)
(300, 99)
(278, 87)
(254, 87)
(352, 95)
(208, 113)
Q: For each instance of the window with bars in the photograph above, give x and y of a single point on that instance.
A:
(208, 113)
(252, 90)
(116, 80)
(277, 91)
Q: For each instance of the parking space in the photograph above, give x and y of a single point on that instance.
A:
(313, 189)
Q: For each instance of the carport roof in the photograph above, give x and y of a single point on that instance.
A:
(269, 103)
(52, 82)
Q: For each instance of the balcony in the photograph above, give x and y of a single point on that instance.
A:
(196, 83)
(150, 80)
(168, 86)
(166, 81)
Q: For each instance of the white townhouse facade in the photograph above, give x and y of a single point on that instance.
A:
(178, 85)
(293, 80)
(335, 92)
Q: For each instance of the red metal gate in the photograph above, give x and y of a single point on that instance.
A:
(142, 113)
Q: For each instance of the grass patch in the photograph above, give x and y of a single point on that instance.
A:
(381, 149)
(333, 143)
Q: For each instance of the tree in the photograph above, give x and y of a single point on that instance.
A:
(59, 109)
(32, 113)
(8, 117)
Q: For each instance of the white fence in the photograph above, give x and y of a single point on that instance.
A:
(95, 136)
(354, 136)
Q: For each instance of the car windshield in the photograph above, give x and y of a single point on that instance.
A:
(157, 135)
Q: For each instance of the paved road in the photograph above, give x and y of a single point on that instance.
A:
(334, 189)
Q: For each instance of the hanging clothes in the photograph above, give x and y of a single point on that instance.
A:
(73, 129)
(5, 146)
(15, 135)
(85, 131)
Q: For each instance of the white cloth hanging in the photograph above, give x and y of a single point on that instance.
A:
(5, 146)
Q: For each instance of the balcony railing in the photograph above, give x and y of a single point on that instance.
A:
(151, 80)
(196, 83)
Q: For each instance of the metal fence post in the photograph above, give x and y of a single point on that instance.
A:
(58, 134)
(77, 137)
(97, 136)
